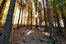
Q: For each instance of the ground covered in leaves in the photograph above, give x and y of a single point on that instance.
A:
(26, 35)
(34, 36)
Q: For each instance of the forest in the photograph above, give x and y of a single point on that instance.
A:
(34, 15)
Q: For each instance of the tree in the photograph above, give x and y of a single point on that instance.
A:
(22, 14)
(60, 5)
(8, 24)
(36, 3)
(28, 7)
(20, 5)
(45, 16)
(36, 9)
(2, 4)
(39, 13)
(1, 8)
(57, 17)
(52, 32)
(18, 25)
(30, 13)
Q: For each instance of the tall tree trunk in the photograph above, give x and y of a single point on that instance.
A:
(39, 13)
(57, 16)
(18, 25)
(1, 7)
(28, 18)
(21, 17)
(31, 15)
(63, 15)
(52, 32)
(24, 6)
(22, 12)
(36, 10)
(8, 24)
(45, 17)
(28, 15)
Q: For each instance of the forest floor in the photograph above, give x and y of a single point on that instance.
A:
(26, 35)
(34, 36)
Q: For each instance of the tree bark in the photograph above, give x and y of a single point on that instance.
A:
(18, 25)
(52, 32)
(8, 24)
(1, 8)
(2, 5)
(45, 17)
(57, 16)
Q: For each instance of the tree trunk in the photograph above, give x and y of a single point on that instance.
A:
(8, 24)
(31, 15)
(57, 16)
(21, 17)
(2, 5)
(45, 17)
(22, 12)
(36, 10)
(39, 13)
(63, 16)
(18, 25)
(28, 16)
(52, 32)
